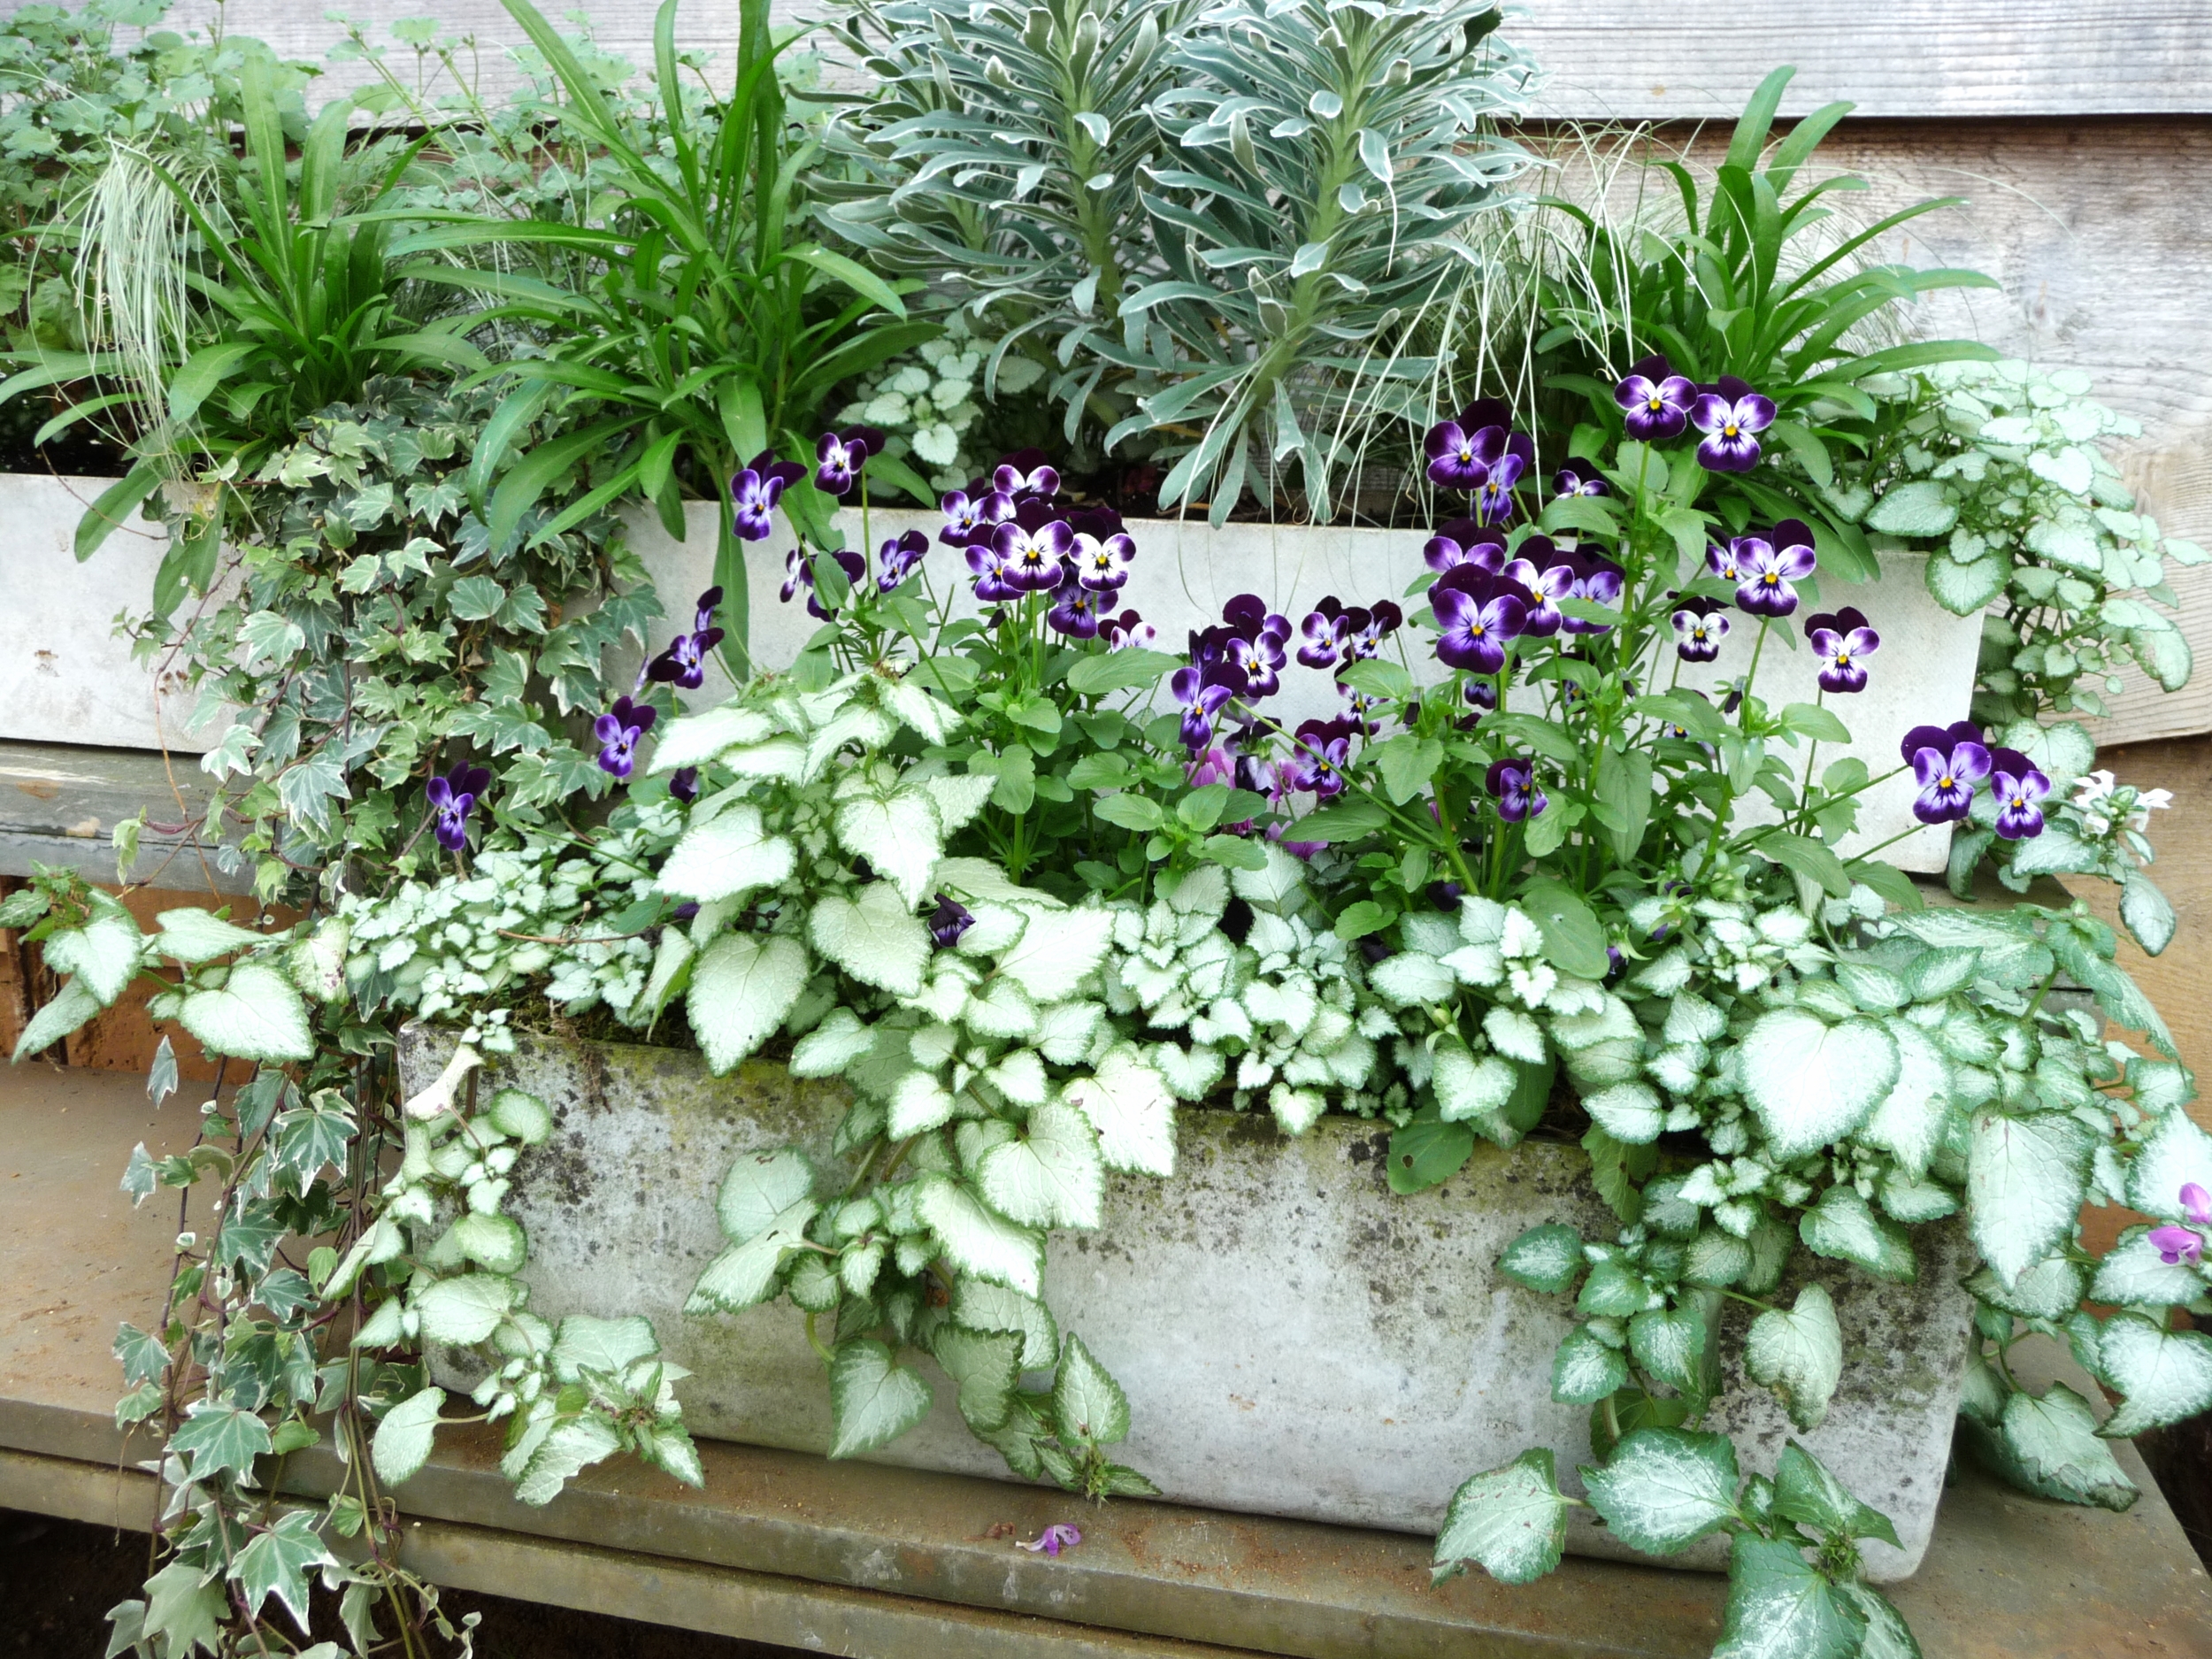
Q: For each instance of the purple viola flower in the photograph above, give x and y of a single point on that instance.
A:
(2018, 789)
(1253, 640)
(684, 663)
(619, 731)
(1572, 481)
(1494, 496)
(1765, 569)
(991, 584)
(1371, 629)
(1512, 783)
(2196, 1203)
(1053, 1538)
(798, 573)
(1101, 563)
(1127, 631)
(1948, 762)
(969, 519)
(1463, 541)
(1842, 641)
(1026, 474)
(1481, 696)
(684, 785)
(1599, 581)
(897, 558)
(1477, 616)
(1319, 757)
(950, 920)
(1032, 546)
(1724, 561)
(1549, 575)
(755, 490)
(1700, 625)
(1325, 630)
(1655, 402)
(1203, 688)
(451, 798)
(1453, 460)
(1729, 415)
(703, 608)
(2176, 1245)
(1074, 610)
(842, 455)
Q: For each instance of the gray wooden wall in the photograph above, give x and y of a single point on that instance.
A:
(2080, 130)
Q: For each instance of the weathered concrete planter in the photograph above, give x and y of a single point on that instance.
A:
(1295, 1340)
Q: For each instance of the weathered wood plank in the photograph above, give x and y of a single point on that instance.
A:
(59, 805)
(1613, 58)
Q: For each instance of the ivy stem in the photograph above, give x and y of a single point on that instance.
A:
(1749, 1302)
(815, 1343)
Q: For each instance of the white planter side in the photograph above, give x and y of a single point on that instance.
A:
(1295, 1340)
(65, 675)
(1924, 675)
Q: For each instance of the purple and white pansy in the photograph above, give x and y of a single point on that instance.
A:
(1654, 401)
(1512, 783)
(1478, 615)
(1700, 625)
(2018, 789)
(619, 731)
(1766, 566)
(1730, 416)
(1843, 641)
(840, 457)
(451, 798)
(759, 485)
(1948, 762)
(684, 663)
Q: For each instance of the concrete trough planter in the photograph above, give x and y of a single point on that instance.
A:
(1295, 1340)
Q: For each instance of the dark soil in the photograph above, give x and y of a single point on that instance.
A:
(2180, 1460)
(59, 1578)
(81, 450)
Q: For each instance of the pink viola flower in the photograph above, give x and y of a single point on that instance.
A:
(1053, 1540)
(2176, 1245)
(1730, 416)
(1843, 642)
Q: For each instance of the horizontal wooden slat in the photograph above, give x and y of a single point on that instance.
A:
(59, 805)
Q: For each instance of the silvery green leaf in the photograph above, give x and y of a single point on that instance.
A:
(671, 958)
(2133, 1273)
(1844, 1225)
(1715, 1258)
(1546, 1258)
(584, 1343)
(1586, 1369)
(985, 1366)
(2166, 1375)
(1057, 951)
(875, 938)
(1780, 1607)
(1887, 1636)
(1088, 1405)
(1019, 1076)
(1409, 978)
(2051, 1289)
(1190, 1075)
(192, 935)
(2024, 1181)
(465, 1310)
(1630, 1112)
(928, 718)
(1806, 1492)
(571, 1447)
(1934, 975)
(1919, 508)
(1799, 1354)
(1964, 589)
(495, 1242)
(761, 1186)
(402, 1439)
(71, 1006)
(727, 856)
(2176, 1154)
(1295, 1110)
(1514, 1034)
(1511, 1520)
(1468, 1087)
(1278, 885)
(1615, 1291)
(257, 1015)
(1907, 1200)
(901, 834)
(2055, 1450)
(1813, 1084)
(696, 739)
(1690, 1019)
(959, 798)
(778, 757)
(161, 1076)
(521, 1115)
(1050, 1177)
(1065, 1031)
(832, 1046)
(2063, 751)
(1909, 1120)
(1129, 1105)
(982, 1306)
(977, 1240)
(103, 953)
(919, 1102)
(2146, 913)
(1663, 1489)
(1669, 1343)
(742, 986)
(664, 1444)
(747, 1273)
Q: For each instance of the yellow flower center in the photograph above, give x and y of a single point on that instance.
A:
(1657, 403)
(1728, 431)
(1843, 659)
(1772, 578)
(1945, 782)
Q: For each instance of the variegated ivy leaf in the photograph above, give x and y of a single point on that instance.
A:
(982, 1306)
(696, 739)
(585, 1343)
(976, 1240)
(875, 937)
(742, 986)
(727, 856)
(2166, 1375)
(402, 1439)
(874, 1399)
(1546, 1259)
(1886, 1636)
(1190, 1074)
(192, 935)
(1799, 1354)
(1129, 1105)
(1805, 1491)
(1844, 1225)
(2025, 1177)
(1586, 1369)
(1295, 1110)
(1812, 1084)
(1909, 1120)
(1512, 1521)
(1019, 1076)
(1051, 1177)
(900, 834)
(103, 953)
(255, 1015)
(1663, 1489)
(2053, 1449)
(1057, 951)
(1066, 1030)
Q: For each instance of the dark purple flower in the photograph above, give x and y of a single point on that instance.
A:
(798, 573)
(1127, 630)
(1101, 563)
(898, 555)
(1202, 689)
(1549, 575)
(1026, 475)
(1325, 629)
(1477, 616)
(969, 519)
(1098, 523)
(842, 455)
(1318, 762)
(1031, 547)
(949, 921)
(2196, 1203)
(1463, 541)
(1481, 696)
(619, 731)
(1655, 402)
(1453, 461)
(1494, 496)
(684, 785)
(1765, 569)
(755, 490)
(450, 799)
(1074, 610)
(2018, 789)
(1842, 641)
(1253, 640)
(1700, 625)
(1571, 481)
(1943, 737)
(1053, 1538)
(1367, 635)
(1947, 775)
(1445, 896)
(1599, 581)
(1360, 708)
(991, 583)
(1728, 416)
(2176, 1245)
(703, 608)
(1513, 784)
(685, 660)
(1724, 562)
